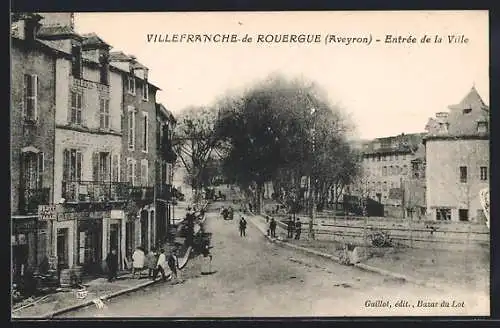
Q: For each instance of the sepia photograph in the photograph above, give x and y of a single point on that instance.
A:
(249, 164)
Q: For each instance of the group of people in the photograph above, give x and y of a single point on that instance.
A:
(294, 227)
(155, 262)
(227, 213)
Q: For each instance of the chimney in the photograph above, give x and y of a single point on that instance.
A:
(27, 26)
(442, 115)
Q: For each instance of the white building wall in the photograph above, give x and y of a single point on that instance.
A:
(444, 189)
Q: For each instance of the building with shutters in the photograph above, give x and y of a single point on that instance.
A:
(139, 145)
(32, 132)
(457, 160)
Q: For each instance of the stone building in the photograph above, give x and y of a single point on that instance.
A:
(457, 160)
(386, 166)
(138, 119)
(32, 132)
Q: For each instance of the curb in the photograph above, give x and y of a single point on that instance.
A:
(361, 266)
(52, 314)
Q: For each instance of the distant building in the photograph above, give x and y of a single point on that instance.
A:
(386, 165)
(457, 160)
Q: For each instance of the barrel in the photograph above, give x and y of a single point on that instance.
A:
(77, 273)
(65, 278)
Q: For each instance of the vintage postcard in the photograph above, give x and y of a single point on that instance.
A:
(250, 164)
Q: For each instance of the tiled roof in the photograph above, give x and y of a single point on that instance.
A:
(93, 40)
(463, 117)
(403, 143)
(56, 31)
(118, 56)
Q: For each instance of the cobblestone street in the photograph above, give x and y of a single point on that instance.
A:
(257, 278)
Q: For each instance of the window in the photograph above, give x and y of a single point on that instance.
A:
(391, 170)
(145, 132)
(484, 173)
(384, 171)
(463, 174)
(75, 115)
(72, 165)
(115, 168)
(104, 69)
(131, 128)
(131, 165)
(76, 61)
(463, 215)
(30, 97)
(443, 214)
(482, 127)
(104, 113)
(101, 162)
(131, 85)
(145, 90)
(144, 173)
(33, 168)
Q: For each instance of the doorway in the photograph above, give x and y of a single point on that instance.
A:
(114, 238)
(90, 234)
(144, 229)
(62, 248)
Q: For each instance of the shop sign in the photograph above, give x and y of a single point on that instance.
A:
(47, 212)
(117, 214)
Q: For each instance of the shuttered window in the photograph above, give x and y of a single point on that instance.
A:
(104, 113)
(72, 165)
(75, 113)
(30, 97)
(144, 173)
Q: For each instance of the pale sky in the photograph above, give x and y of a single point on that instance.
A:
(385, 88)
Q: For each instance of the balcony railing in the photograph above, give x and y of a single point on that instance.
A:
(142, 193)
(95, 191)
(31, 198)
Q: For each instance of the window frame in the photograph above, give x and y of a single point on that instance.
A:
(483, 177)
(463, 177)
(75, 110)
(131, 127)
(144, 172)
(145, 90)
(145, 132)
(33, 80)
(131, 170)
(131, 84)
(104, 114)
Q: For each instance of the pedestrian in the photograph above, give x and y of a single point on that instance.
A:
(112, 263)
(152, 260)
(250, 207)
(173, 262)
(161, 265)
(298, 229)
(272, 228)
(243, 227)
(138, 259)
(289, 227)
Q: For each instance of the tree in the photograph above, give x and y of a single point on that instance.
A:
(272, 131)
(195, 141)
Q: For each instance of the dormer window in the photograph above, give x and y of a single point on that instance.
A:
(443, 127)
(467, 110)
(104, 69)
(76, 64)
(131, 84)
(482, 127)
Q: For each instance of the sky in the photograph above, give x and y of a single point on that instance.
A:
(385, 88)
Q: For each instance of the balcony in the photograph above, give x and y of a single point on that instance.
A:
(142, 193)
(95, 191)
(31, 198)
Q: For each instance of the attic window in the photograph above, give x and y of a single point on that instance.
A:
(467, 110)
(482, 127)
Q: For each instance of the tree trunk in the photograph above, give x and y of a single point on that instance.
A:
(260, 198)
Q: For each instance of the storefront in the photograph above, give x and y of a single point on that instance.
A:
(90, 239)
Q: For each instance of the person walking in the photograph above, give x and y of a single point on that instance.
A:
(152, 260)
(173, 263)
(272, 228)
(138, 259)
(243, 227)
(161, 265)
(298, 229)
(112, 263)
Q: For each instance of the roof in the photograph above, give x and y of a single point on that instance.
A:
(92, 40)
(165, 112)
(118, 56)
(462, 118)
(402, 143)
(56, 32)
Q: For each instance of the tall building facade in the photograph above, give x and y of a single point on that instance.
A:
(457, 160)
(76, 125)
(386, 167)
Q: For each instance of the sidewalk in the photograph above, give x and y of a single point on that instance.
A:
(66, 298)
(432, 268)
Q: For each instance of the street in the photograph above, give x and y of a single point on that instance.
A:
(257, 278)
